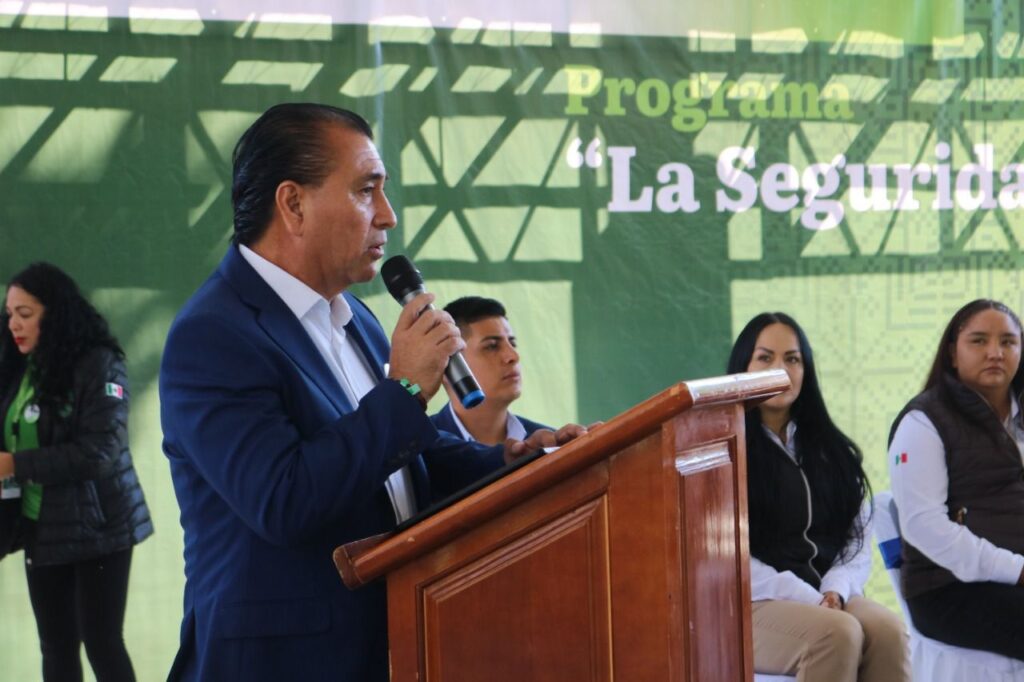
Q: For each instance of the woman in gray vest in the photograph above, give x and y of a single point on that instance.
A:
(809, 515)
(958, 481)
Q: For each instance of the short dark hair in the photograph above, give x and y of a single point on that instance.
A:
(285, 143)
(943, 362)
(469, 309)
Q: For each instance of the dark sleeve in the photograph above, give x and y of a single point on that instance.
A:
(532, 426)
(95, 433)
(229, 413)
(453, 463)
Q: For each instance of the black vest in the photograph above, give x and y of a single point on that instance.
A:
(777, 528)
(986, 477)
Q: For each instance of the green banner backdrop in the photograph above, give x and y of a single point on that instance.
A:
(633, 199)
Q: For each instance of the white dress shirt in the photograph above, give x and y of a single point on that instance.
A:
(325, 322)
(513, 427)
(846, 577)
(920, 486)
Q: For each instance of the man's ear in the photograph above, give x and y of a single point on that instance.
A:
(288, 203)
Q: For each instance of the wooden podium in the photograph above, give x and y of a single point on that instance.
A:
(622, 556)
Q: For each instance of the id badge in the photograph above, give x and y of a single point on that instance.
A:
(9, 489)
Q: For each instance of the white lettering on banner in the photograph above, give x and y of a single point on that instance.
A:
(621, 203)
(677, 197)
(943, 200)
(1011, 196)
(820, 188)
(734, 178)
(983, 172)
(879, 198)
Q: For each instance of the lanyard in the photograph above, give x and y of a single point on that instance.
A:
(21, 405)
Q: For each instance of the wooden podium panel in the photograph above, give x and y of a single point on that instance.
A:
(561, 622)
(717, 572)
(525, 594)
(623, 556)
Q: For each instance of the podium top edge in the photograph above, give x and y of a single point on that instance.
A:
(363, 561)
(746, 386)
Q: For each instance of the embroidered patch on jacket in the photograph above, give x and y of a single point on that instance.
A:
(115, 390)
(900, 459)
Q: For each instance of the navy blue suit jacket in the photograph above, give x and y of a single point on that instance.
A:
(273, 468)
(445, 421)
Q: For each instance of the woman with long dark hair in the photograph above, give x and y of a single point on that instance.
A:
(68, 477)
(958, 481)
(809, 509)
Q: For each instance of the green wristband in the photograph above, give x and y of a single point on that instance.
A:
(414, 391)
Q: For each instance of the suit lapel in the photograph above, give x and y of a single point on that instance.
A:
(420, 483)
(283, 328)
(274, 317)
(448, 421)
(376, 355)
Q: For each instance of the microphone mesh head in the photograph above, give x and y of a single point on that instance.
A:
(400, 276)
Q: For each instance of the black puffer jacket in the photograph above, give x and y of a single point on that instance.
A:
(92, 501)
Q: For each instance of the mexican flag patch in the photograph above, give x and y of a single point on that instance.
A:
(115, 390)
(900, 459)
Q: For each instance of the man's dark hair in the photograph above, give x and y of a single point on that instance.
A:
(285, 143)
(469, 309)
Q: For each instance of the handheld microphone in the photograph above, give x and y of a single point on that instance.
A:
(405, 283)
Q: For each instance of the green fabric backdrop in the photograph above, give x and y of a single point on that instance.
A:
(115, 141)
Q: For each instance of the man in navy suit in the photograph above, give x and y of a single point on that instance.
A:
(492, 353)
(286, 438)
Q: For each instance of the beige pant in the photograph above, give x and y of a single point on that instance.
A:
(866, 642)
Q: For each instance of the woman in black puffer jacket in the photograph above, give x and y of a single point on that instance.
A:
(71, 497)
